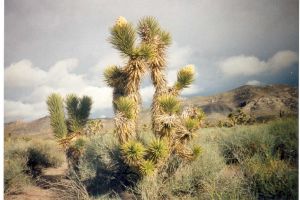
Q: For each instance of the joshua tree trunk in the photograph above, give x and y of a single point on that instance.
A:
(152, 34)
(160, 84)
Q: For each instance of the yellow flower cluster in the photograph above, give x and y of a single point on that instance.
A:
(121, 21)
(189, 68)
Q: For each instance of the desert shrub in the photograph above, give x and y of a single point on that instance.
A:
(153, 188)
(286, 139)
(239, 117)
(229, 184)
(243, 142)
(277, 138)
(206, 178)
(271, 178)
(235, 163)
(42, 155)
(189, 179)
(102, 169)
(14, 175)
(266, 155)
(24, 158)
(15, 158)
(225, 123)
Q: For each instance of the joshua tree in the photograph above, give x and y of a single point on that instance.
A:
(126, 80)
(172, 126)
(69, 132)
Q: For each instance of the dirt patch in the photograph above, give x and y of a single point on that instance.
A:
(42, 190)
(33, 193)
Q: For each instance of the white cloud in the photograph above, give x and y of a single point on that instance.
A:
(59, 78)
(26, 111)
(250, 65)
(147, 93)
(194, 89)
(23, 74)
(38, 94)
(178, 56)
(254, 82)
(282, 60)
(172, 76)
(102, 96)
(95, 73)
(60, 75)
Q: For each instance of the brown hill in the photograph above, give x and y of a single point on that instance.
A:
(263, 102)
(39, 126)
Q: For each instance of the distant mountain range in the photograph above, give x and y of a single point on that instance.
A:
(263, 102)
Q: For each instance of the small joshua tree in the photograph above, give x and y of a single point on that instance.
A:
(239, 117)
(69, 132)
(172, 125)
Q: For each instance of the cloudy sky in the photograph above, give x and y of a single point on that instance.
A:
(61, 46)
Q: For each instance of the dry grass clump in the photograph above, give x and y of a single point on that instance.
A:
(70, 189)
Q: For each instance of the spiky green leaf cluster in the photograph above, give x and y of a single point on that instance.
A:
(126, 106)
(85, 106)
(150, 30)
(133, 152)
(144, 51)
(197, 150)
(185, 77)
(200, 115)
(191, 124)
(157, 150)
(57, 116)
(78, 110)
(147, 167)
(165, 38)
(123, 37)
(113, 75)
(169, 103)
(79, 143)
